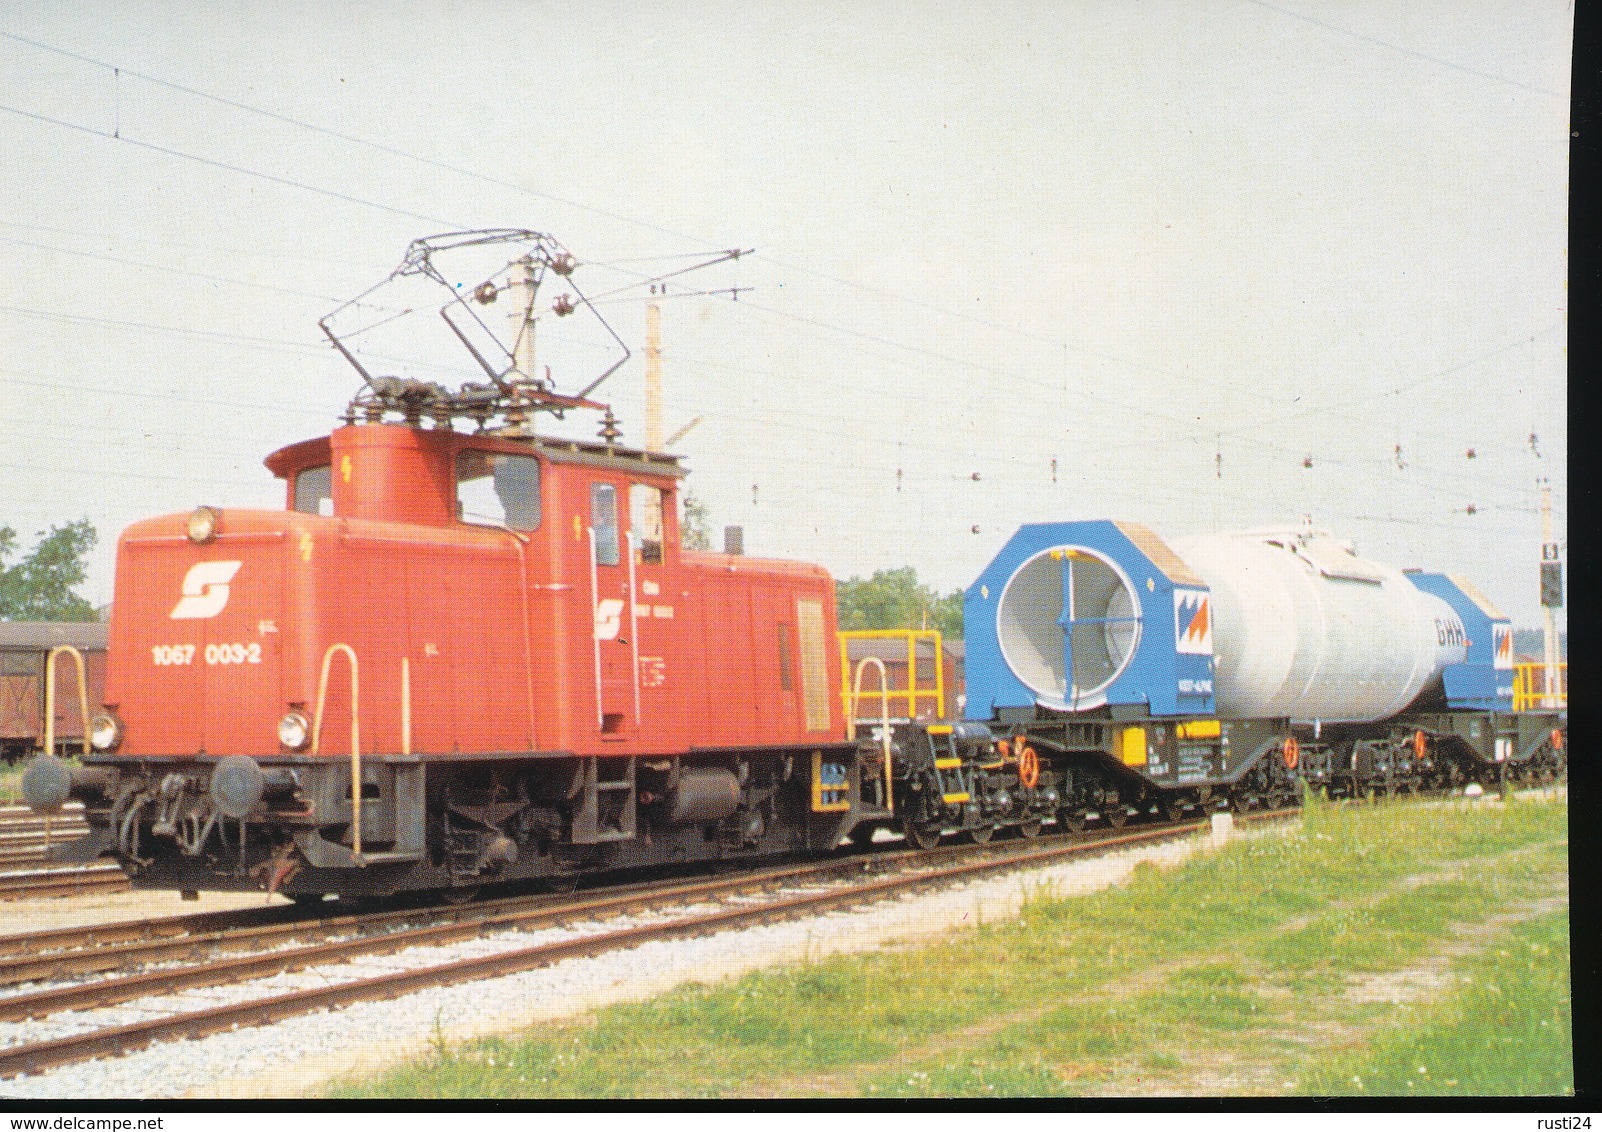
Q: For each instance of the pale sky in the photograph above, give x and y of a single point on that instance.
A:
(1180, 249)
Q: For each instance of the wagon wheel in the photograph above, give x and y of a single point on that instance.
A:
(1029, 830)
(1172, 808)
(980, 834)
(920, 835)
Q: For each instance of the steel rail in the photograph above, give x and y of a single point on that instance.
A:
(367, 928)
(62, 882)
(159, 927)
(17, 809)
(32, 1057)
(62, 827)
(113, 936)
(463, 922)
(86, 949)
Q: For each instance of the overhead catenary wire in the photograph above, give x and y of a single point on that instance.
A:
(1408, 51)
(352, 139)
(458, 170)
(798, 416)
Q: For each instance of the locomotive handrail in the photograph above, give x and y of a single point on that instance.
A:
(884, 720)
(355, 739)
(595, 632)
(50, 697)
(634, 628)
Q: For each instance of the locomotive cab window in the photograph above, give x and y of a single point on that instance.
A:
(498, 489)
(603, 521)
(314, 490)
(645, 522)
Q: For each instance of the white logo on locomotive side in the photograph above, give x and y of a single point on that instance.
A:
(608, 618)
(205, 590)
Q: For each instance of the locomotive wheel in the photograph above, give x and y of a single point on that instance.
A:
(1072, 820)
(981, 834)
(1116, 815)
(921, 836)
(1172, 808)
(1029, 830)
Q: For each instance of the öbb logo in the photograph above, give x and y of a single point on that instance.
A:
(205, 590)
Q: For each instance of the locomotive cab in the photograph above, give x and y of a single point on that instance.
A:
(456, 656)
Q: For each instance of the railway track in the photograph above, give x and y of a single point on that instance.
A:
(26, 872)
(209, 952)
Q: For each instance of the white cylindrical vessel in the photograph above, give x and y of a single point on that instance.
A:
(1305, 629)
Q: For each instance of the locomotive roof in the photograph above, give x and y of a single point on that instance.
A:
(308, 453)
(48, 634)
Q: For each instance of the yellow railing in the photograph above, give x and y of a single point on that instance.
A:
(50, 697)
(1529, 687)
(913, 694)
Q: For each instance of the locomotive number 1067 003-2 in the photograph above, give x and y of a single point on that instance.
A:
(164, 655)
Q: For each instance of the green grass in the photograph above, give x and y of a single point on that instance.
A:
(11, 783)
(1503, 1030)
(1228, 974)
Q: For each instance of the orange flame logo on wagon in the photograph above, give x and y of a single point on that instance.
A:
(1193, 622)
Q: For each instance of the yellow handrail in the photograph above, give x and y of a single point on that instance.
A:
(1530, 690)
(884, 720)
(912, 694)
(355, 740)
(50, 697)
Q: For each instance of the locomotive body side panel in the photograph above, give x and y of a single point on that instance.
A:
(764, 675)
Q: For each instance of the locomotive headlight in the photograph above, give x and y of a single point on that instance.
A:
(105, 731)
(294, 731)
(202, 525)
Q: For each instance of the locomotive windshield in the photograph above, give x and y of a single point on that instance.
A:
(314, 491)
(603, 521)
(498, 489)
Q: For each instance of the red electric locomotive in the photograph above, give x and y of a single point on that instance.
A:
(456, 657)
